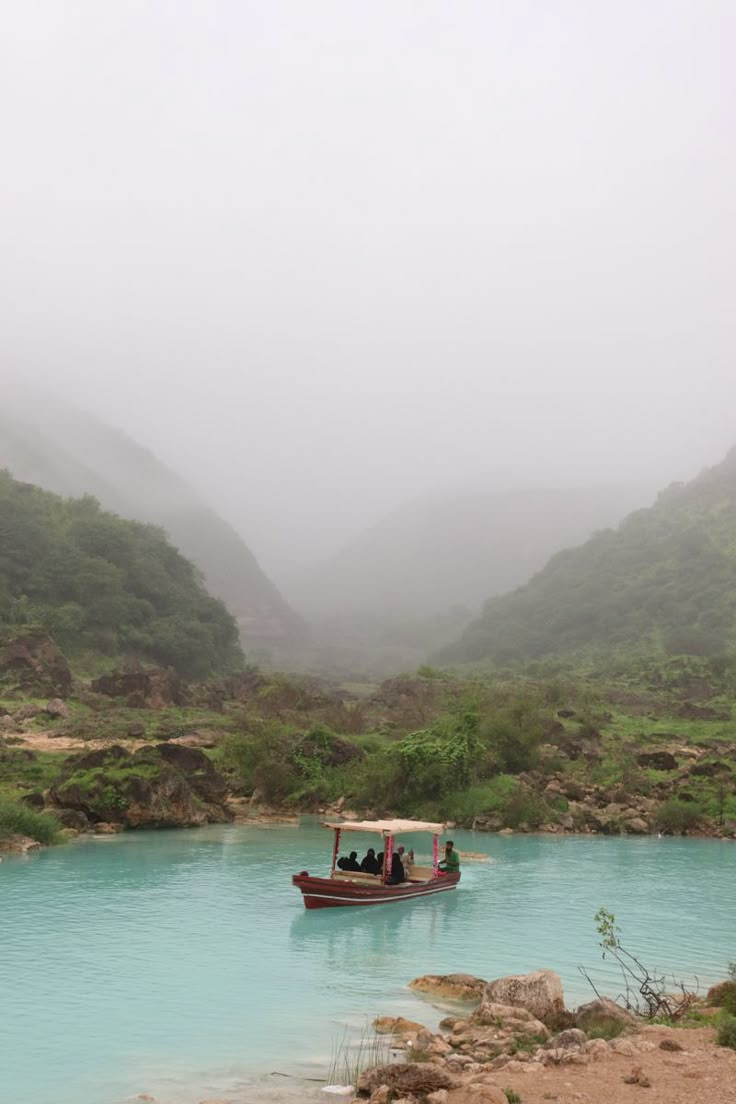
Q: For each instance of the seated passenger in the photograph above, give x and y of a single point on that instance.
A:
(407, 860)
(343, 862)
(352, 862)
(379, 860)
(397, 869)
(369, 864)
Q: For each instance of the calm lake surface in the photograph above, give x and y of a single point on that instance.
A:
(183, 964)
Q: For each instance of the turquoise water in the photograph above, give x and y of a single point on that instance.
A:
(183, 964)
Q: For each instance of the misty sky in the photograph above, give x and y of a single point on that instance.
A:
(324, 255)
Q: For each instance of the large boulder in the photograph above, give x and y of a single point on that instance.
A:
(539, 992)
(420, 1078)
(657, 760)
(199, 770)
(456, 987)
(711, 769)
(396, 1025)
(602, 1013)
(506, 1017)
(143, 687)
(568, 1039)
(143, 790)
(31, 662)
(57, 709)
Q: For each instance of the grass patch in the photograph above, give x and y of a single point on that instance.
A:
(525, 1044)
(21, 771)
(605, 1029)
(351, 1056)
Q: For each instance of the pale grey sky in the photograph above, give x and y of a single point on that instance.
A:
(324, 255)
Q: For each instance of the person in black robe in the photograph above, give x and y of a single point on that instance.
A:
(397, 870)
(369, 865)
(352, 863)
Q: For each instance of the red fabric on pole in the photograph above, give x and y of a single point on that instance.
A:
(388, 854)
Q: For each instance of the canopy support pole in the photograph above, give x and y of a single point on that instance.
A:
(435, 854)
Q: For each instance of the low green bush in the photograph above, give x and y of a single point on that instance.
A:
(727, 1032)
(677, 816)
(726, 998)
(18, 820)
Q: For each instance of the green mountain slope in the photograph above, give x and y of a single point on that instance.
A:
(73, 454)
(666, 578)
(97, 582)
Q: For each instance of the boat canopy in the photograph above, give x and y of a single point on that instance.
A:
(387, 827)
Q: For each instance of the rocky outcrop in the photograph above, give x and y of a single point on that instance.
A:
(396, 1025)
(458, 987)
(199, 770)
(142, 687)
(470, 1063)
(539, 992)
(32, 663)
(156, 787)
(657, 760)
(493, 1028)
(19, 844)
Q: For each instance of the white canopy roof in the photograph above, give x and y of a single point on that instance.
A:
(388, 827)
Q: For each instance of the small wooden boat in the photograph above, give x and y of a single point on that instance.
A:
(347, 887)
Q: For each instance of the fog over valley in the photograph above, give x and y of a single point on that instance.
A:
(407, 296)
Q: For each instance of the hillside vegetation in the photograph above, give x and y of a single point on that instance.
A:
(101, 584)
(649, 747)
(665, 581)
(72, 454)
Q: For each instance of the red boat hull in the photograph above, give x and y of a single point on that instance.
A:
(326, 893)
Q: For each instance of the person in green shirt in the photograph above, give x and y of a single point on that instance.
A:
(451, 862)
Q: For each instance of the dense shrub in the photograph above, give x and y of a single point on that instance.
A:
(19, 820)
(727, 1032)
(726, 997)
(677, 816)
(439, 759)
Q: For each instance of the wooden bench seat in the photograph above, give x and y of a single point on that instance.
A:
(420, 873)
(355, 876)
